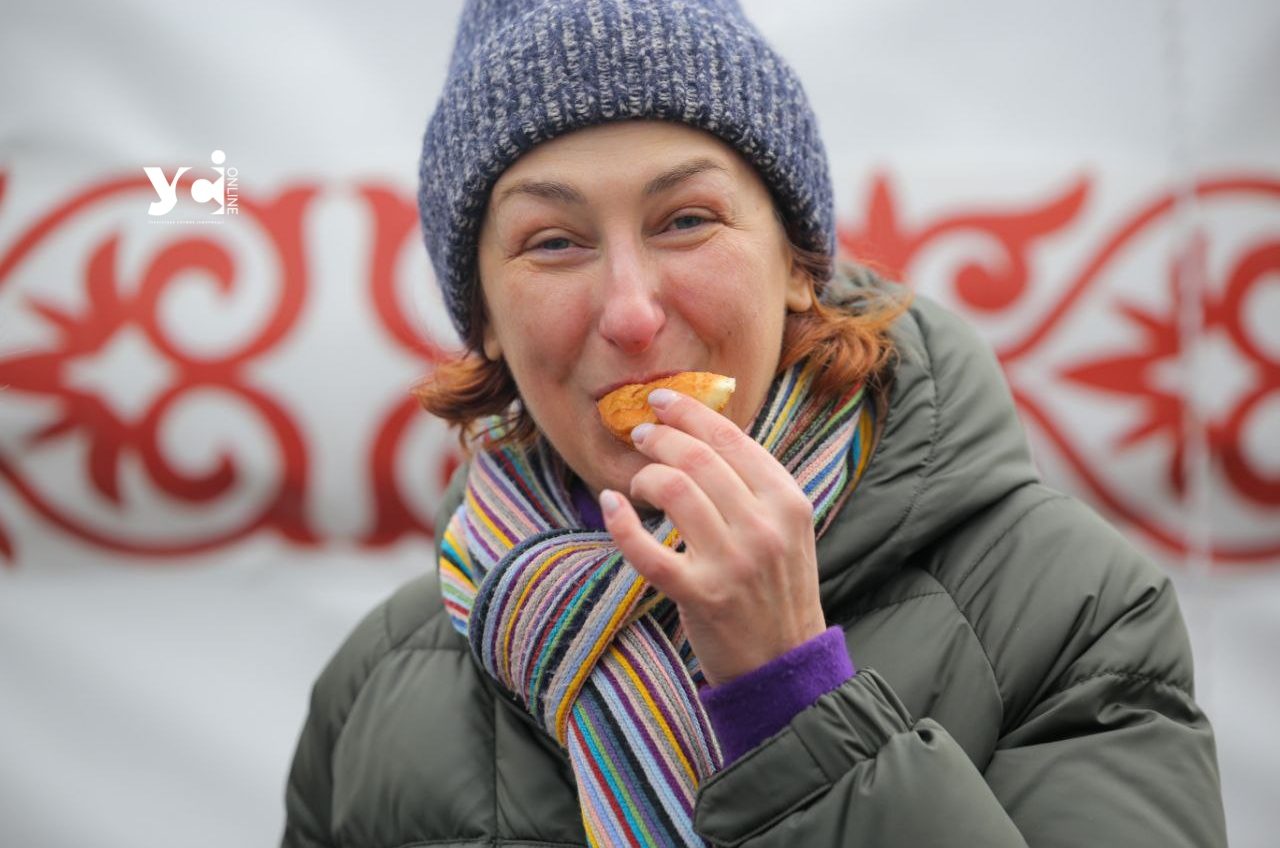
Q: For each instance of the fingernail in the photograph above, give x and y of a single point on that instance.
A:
(639, 432)
(662, 398)
(610, 501)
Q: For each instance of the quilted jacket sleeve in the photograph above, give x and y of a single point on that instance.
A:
(1101, 741)
(310, 787)
(309, 791)
(854, 769)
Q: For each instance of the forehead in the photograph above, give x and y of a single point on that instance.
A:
(626, 153)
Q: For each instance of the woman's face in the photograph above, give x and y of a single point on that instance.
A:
(622, 253)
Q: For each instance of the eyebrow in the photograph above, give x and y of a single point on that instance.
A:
(564, 193)
(545, 189)
(680, 173)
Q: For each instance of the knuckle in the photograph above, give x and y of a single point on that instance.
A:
(641, 478)
(725, 436)
(644, 482)
(716, 600)
(697, 458)
(652, 568)
(768, 538)
(673, 487)
(798, 509)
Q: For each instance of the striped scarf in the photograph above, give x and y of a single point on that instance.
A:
(597, 656)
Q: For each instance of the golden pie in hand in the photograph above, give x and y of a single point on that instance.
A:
(626, 406)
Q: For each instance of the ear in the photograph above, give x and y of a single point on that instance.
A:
(799, 290)
(492, 347)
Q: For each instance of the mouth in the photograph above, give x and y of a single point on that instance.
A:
(643, 378)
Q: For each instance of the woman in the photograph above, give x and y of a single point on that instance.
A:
(653, 642)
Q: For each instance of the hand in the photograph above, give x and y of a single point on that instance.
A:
(746, 584)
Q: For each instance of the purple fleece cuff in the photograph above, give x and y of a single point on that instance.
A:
(749, 709)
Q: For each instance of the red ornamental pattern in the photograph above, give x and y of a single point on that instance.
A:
(396, 230)
(1247, 260)
(114, 305)
(1027, 311)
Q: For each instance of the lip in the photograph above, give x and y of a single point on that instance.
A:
(643, 378)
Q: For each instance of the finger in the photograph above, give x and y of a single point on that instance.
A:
(651, 559)
(701, 525)
(728, 494)
(757, 468)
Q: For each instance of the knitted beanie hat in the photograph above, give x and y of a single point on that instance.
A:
(526, 71)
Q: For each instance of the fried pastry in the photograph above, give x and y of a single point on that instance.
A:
(625, 407)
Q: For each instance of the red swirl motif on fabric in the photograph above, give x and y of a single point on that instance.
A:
(123, 290)
(396, 229)
(113, 306)
(887, 243)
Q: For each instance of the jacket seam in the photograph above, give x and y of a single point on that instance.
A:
(394, 644)
(772, 820)
(1004, 534)
(1126, 674)
(968, 572)
(346, 716)
(798, 804)
(986, 654)
(935, 425)
(392, 648)
(364, 681)
(853, 615)
(399, 649)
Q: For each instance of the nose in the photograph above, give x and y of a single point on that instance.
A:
(631, 315)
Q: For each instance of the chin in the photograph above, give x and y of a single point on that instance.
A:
(611, 466)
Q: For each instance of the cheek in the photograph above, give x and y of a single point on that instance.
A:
(541, 327)
(731, 291)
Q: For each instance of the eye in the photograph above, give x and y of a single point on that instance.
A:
(688, 222)
(555, 245)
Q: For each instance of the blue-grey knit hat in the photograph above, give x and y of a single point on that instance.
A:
(525, 71)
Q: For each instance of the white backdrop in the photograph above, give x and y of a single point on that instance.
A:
(209, 468)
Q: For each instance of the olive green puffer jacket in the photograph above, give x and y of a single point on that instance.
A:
(1025, 676)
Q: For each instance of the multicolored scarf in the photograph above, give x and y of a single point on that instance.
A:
(596, 655)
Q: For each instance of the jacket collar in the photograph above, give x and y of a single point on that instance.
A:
(951, 445)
